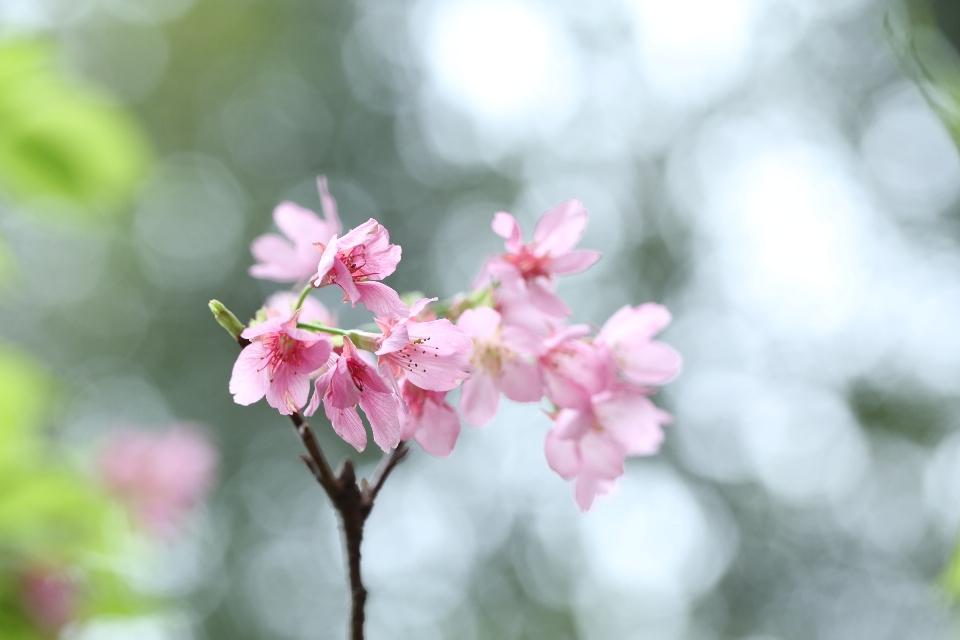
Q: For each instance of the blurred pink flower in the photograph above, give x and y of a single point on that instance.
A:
(433, 355)
(629, 336)
(49, 597)
(430, 419)
(502, 359)
(574, 368)
(349, 381)
(295, 258)
(281, 304)
(161, 476)
(550, 253)
(355, 261)
(591, 442)
(277, 363)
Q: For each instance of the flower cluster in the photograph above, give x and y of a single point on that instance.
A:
(509, 335)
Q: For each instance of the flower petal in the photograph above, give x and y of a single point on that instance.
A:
(479, 323)
(383, 412)
(521, 381)
(329, 206)
(573, 262)
(562, 455)
(347, 424)
(560, 229)
(250, 378)
(439, 428)
(381, 300)
(479, 399)
(653, 363)
(506, 226)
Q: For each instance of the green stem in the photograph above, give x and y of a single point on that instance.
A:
(303, 295)
(319, 327)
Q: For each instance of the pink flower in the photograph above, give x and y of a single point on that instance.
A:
(433, 355)
(574, 368)
(356, 261)
(629, 336)
(502, 361)
(295, 258)
(430, 420)
(590, 443)
(49, 598)
(281, 304)
(277, 363)
(549, 254)
(160, 476)
(349, 381)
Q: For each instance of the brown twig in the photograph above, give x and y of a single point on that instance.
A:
(352, 501)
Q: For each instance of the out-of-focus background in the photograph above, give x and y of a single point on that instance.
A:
(771, 170)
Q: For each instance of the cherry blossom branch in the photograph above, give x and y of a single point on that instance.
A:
(352, 500)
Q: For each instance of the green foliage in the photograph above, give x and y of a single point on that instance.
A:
(59, 140)
(929, 59)
(50, 512)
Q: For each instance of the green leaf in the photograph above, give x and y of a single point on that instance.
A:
(929, 59)
(25, 395)
(59, 140)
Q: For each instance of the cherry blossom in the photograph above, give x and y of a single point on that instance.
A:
(161, 476)
(629, 335)
(348, 381)
(574, 368)
(49, 597)
(295, 258)
(550, 254)
(356, 262)
(430, 419)
(589, 444)
(433, 355)
(277, 364)
(502, 359)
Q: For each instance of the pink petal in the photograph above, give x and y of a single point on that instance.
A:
(521, 381)
(573, 262)
(653, 363)
(562, 455)
(544, 298)
(560, 229)
(395, 339)
(572, 424)
(479, 399)
(314, 356)
(635, 325)
(381, 300)
(442, 336)
(439, 429)
(343, 392)
(288, 390)
(602, 456)
(276, 259)
(506, 226)
(420, 305)
(383, 412)
(587, 488)
(250, 379)
(522, 341)
(634, 421)
(300, 224)
(320, 389)
(343, 279)
(329, 206)
(479, 323)
(347, 424)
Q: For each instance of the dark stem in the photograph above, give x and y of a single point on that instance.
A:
(352, 501)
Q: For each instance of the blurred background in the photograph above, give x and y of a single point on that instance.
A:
(780, 173)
